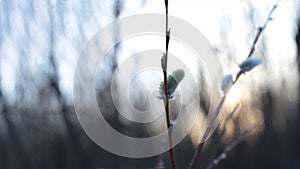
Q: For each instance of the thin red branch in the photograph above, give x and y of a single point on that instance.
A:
(166, 99)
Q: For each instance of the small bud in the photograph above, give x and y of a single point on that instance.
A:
(163, 62)
(168, 32)
(227, 82)
(177, 75)
(173, 80)
(249, 64)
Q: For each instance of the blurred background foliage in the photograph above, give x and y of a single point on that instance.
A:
(41, 42)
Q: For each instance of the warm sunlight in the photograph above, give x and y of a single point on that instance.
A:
(234, 94)
(142, 84)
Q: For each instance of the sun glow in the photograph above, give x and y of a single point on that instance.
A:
(234, 94)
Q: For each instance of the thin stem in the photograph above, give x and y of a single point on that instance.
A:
(206, 133)
(166, 99)
(196, 155)
(216, 112)
(260, 30)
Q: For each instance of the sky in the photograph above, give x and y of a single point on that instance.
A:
(34, 32)
(230, 26)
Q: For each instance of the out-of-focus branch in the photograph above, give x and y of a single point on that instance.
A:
(230, 147)
(260, 30)
(217, 111)
(205, 135)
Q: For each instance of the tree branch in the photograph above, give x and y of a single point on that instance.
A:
(166, 99)
(260, 30)
(216, 112)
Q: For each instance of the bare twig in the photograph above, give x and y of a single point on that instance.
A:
(227, 119)
(223, 155)
(166, 99)
(260, 30)
(216, 112)
(206, 133)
